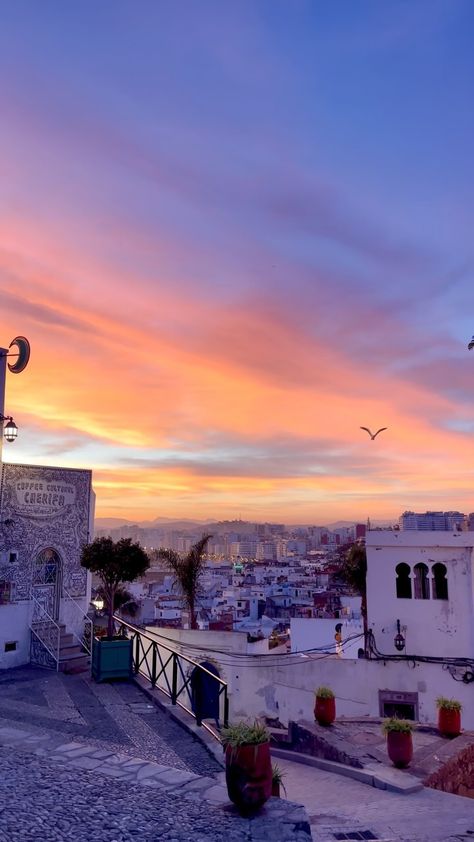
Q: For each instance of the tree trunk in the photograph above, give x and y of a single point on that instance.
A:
(192, 614)
(110, 625)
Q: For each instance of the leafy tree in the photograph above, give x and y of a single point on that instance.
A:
(114, 562)
(187, 572)
(354, 573)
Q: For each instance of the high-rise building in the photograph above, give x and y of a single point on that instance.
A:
(438, 521)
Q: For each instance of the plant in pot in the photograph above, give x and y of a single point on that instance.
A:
(399, 741)
(325, 706)
(277, 780)
(115, 563)
(248, 767)
(449, 716)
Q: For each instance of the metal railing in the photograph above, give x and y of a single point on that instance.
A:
(86, 640)
(47, 632)
(178, 676)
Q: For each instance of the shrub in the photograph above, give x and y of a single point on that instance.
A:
(245, 733)
(324, 692)
(403, 726)
(448, 704)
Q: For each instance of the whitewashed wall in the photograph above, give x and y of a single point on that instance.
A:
(284, 686)
(432, 626)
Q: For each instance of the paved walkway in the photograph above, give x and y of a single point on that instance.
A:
(82, 761)
(341, 805)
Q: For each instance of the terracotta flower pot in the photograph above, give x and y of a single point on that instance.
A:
(248, 772)
(400, 748)
(449, 722)
(325, 710)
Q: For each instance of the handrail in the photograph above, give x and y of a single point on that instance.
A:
(82, 641)
(41, 622)
(168, 648)
(149, 661)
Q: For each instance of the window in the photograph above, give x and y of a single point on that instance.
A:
(440, 581)
(422, 583)
(403, 581)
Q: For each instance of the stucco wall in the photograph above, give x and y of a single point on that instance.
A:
(319, 633)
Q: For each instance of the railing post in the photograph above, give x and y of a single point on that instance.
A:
(153, 666)
(226, 709)
(174, 682)
(135, 666)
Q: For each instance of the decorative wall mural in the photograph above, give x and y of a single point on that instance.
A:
(42, 509)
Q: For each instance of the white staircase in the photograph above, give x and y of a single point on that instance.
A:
(72, 657)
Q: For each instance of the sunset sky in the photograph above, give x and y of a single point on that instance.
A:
(234, 232)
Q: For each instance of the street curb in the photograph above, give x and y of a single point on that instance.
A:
(390, 779)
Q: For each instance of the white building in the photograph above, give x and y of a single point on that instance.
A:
(46, 515)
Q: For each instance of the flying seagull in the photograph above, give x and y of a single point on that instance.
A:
(372, 435)
(471, 344)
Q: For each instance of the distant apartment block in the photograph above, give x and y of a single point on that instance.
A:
(433, 521)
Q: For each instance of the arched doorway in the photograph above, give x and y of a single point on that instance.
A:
(205, 693)
(46, 581)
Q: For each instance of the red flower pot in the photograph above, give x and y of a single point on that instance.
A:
(276, 789)
(449, 722)
(325, 710)
(399, 748)
(248, 773)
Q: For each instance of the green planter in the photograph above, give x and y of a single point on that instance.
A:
(111, 658)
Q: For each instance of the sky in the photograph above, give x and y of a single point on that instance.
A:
(234, 232)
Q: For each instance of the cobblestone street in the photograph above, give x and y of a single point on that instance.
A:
(82, 761)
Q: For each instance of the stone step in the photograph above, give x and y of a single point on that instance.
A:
(79, 662)
(66, 639)
(69, 650)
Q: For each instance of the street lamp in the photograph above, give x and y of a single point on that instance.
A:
(10, 430)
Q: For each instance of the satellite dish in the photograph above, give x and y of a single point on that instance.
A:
(21, 362)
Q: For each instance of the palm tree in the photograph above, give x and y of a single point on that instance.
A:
(187, 572)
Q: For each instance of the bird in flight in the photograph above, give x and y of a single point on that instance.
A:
(372, 435)
(471, 344)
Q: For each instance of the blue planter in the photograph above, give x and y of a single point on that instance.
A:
(111, 658)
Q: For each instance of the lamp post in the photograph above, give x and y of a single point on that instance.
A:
(19, 348)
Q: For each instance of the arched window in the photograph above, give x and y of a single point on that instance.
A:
(422, 584)
(403, 581)
(440, 581)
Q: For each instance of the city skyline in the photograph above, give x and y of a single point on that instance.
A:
(232, 242)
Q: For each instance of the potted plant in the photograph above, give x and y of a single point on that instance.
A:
(449, 716)
(277, 780)
(248, 767)
(399, 741)
(115, 563)
(325, 706)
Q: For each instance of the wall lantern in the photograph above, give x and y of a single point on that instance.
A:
(399, 640)
(10, 430)
(98, 603)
